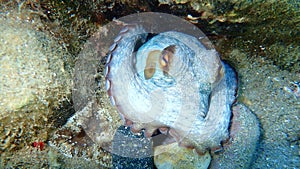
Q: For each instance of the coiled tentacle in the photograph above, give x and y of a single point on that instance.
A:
(170, 81)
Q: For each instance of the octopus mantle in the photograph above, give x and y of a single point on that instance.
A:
(172, 83)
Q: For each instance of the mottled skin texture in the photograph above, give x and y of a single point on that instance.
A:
(170, 82)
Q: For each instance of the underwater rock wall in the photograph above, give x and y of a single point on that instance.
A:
(33, 83)
(260, 39)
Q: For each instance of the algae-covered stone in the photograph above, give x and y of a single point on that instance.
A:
(33, 82)
(31, 68)
(286, 57)
(171, 156)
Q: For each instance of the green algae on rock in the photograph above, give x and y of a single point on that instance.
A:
(33, 82)
(267, 28)
(31, 66)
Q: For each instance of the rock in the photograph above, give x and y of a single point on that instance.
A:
(131, 150)
(33, 82)
(88, 135)
(32, 70)
(171, 156)
(239, 152)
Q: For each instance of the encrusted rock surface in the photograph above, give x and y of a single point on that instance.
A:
(33, 82)
(32, 68)
(171, 156)
(239, 151)
(88, 135)
(131, 150)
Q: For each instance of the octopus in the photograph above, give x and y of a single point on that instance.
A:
(166, 81)
(171, 83)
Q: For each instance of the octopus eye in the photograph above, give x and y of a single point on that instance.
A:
(166, 58)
